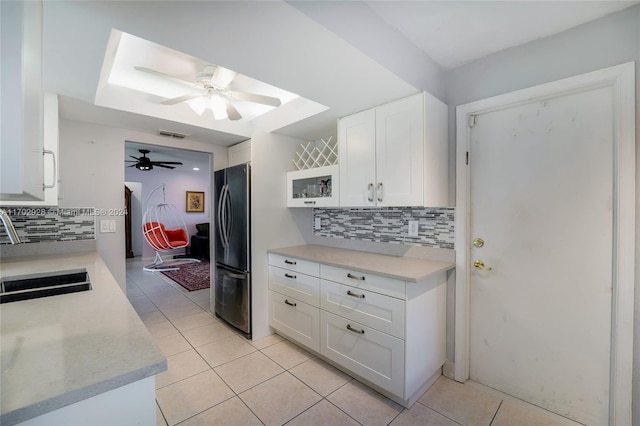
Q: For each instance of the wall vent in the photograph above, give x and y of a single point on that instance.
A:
(171, 134)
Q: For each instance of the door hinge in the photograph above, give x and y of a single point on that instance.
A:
(473, 119)
(467, 158)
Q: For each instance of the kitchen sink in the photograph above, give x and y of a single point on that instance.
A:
(33, 286)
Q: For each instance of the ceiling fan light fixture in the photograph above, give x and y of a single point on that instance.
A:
(218, 107)
(198, 105)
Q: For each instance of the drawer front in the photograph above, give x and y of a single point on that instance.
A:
(294, 264)
(383, 285)
(295, 284)
(374, 310)
(369, 353)
(295, 319)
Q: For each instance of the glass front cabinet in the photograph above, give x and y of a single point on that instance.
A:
(316, 187)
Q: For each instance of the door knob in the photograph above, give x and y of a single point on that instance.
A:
(479, 264)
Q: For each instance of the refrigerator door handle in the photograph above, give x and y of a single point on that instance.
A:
(221, 218)
(228, 216)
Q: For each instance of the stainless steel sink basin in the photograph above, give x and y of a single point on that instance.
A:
(23, 287)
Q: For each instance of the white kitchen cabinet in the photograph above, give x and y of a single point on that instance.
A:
(395, 154)
(315, 187)
(21, 134)
(387, 332)
(48, 158)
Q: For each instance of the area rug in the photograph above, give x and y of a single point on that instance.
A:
(192, 276)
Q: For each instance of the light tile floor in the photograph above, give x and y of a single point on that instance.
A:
(217, 377)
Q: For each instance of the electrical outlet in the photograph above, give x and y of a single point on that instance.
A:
(413, 228)
(317, 224)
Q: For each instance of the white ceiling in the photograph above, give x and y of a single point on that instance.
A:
(294, 46)
(457, 32)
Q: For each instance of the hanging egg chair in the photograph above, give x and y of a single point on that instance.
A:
(164, 229)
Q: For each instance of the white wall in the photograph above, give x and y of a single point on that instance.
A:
(609, 41)
(272, 223)
(92, 174)
(177, 182)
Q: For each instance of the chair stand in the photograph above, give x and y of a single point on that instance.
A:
(173, 265)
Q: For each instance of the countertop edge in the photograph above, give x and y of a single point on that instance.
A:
(43, 407)
(436, 266)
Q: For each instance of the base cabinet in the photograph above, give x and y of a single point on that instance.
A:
(369, 353)
(387, 332)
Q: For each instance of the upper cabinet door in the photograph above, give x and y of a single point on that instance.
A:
(21, 142)
(400, 153)
(357, 157)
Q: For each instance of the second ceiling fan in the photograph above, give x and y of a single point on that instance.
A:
(212, 90)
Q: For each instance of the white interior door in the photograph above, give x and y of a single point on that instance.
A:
(541, 191)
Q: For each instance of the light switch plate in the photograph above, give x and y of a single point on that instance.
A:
(317, 224)
(107, 226)
(413, 228)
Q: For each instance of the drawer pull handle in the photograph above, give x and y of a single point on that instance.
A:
(355, 277)
(354, 329)
(309, 202)
(289, 303)
(289, 262)
(350, 293)
(293, 277)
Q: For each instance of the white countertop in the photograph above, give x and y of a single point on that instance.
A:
(409, 269)
(59, 350)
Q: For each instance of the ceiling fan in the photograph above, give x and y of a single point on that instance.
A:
(213, 87)
(144, 163)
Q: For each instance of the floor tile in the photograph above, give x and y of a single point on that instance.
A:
(224, 350)
(181, 366)
(322, 414)
(184, 310)
(364, 405)
(287, 354)
(152, 317)
(173, 344)
(160, 421)
(419, 414)
(248, 371)
(230, 412)
(193, 321)
(320, 376)
(142, 304)
(207, 334)
(161, 329)
(279, 399)
(267, 341)
(511, 414)
(460, 402)
(191, 396)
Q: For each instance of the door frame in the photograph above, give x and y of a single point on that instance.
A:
(621, 78)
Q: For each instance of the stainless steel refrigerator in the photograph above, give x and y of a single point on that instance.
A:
(233, 246)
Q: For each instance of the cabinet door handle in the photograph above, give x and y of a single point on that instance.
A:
(289, 262)
(380, 192)
(355, 277)
(55, 171)
(370, 190)
(289, 303)
(355, 330)
(350, 293)
(293, 277)
(309, 202)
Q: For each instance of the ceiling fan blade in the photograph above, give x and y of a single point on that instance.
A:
(167, 76)
(254, 97)
(134, 157)
(166, 167)
(232, 112)
(159, 163)
(130, 161)
(223, 77)
(133, 165)
(182, 98)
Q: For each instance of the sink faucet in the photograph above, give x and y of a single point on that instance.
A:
(8, 225)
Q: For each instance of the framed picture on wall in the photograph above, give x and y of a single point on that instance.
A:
(195, 202)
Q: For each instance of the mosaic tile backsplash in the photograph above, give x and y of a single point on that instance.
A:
(39, 224)
(389, 225)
